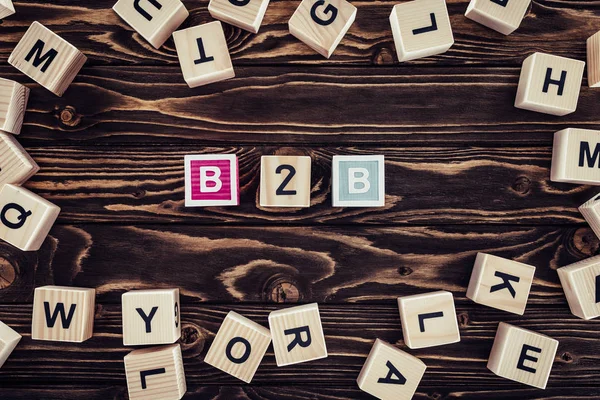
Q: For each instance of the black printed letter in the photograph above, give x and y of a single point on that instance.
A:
(430, 28)
(423, 317)
(60, 309)
(524, 356)
(506, 283)
(549, 81)
(144, 374)
(585, 155)
(328, 10)
(144, 13)
(38, 58)
(393, 372)
(244, 356)
(203, 58)
(298, 337)
(239, 3)
(147, 318)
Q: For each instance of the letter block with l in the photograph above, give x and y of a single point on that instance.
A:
(576, 156)
(211, 180)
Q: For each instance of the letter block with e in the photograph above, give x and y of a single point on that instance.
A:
(522, 355)
(8, 341)
(245, 14)
(211, 180)
(63, 314)
(358, 181)
(151, 317)
(576, 156)
(239, 347)
(297, 335)
(503, 16)
(285, 181)
(581, 283)
(500, 283)
(390, 373)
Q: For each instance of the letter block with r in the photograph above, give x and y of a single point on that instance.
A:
(211, 180)
(358, 181)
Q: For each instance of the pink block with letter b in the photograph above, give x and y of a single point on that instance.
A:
(211, 180)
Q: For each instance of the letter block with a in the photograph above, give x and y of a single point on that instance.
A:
(245, 14)
(593, 60)
(503, 16)
(358, 181)
(297, 335)
(549, 84)
(239, 347)
(63, 314)
(151, 317)
(522, 355)
(203, 54)
(47, 58)
(321, 24)
(576, 156)
(6, 8)
(154, 20)
(429, 319)
(13, 102)
(25, 218)
(390, 373)
(211, 180)
(16, 165)
(500, 283)
(581, 283)
(155, 373)
(285, 181)
(8, 341)
(421, 28)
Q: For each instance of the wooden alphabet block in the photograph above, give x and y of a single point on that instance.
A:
(151, 317)
(47, 58)
(297, 335)
(390, 373)
(500, 283)
(211, 180)
(593, 60)
(421, 28)
(549, 84)
(429, 319)
(358, 181)
(321, 24)
(203, 54)
(522, 355)
(576, 156)
(155, 373)
(154, 20)
(13, 102)
(8, 341)
(6, 8)
(581, 283)
(503, 16)
(63, 314)
(25, 218)
(591, 212)
(239, 347)
(245, 14)
(16, 166)
(285, 181)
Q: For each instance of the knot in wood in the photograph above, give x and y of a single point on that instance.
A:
(463, 319)
(405, 271)
(585, 242)
(567, 357)
(8, 273)
(283, 290)
(522, 185)
(383, 56)
(69, 117)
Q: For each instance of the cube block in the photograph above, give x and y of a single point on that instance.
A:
(6, 8)
(211, 180)
(285, 181)
(503, 16)
(576, 156)
(581, 283)
(8, 341)
(593, 60)
(591, 212)
(358, 181)
(16, 166)
(13, 102)
(245, 14)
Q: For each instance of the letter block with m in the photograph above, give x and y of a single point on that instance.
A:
(576, 156)
(63, 314)
(211, 180)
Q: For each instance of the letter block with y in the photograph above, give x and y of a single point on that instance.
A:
(321, 24)
(503, 16)
(500, 283)
(211, 180)
(151, 317)
(8, 341)
(297, 335)
(63, 314)
(239, 347)
(245, 14)
(390, 373)
(576, 156)
(358, 181)
(581, 283)
(285, 181)
(47, 58)
(522, 355)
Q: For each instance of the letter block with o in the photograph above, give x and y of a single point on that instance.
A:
(522, 355)
(358, 181)
(211, 180)
(63, 314)
(245, 14)
(581, 283)
(390, 373)
(500, 283)
(285, 181)
(576, 156)
(239, 347)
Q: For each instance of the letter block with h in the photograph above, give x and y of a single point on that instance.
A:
(581, 283)
(211, 180)
(522, 355)
(358, 181)
(576, 156)
(63, 314)
(245, 14)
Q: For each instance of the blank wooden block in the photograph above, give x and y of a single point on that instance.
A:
(211, 180)
(321, 24)
(47, 58)
(576, 156)
(593, 60)
(429, 319)
(549, 84)
(16, 166)
(13, 102)
(522, 356)
(390, 373)
(8, 341)
(151, 317)
(6, 8)
(503, 16)
(285, 181)
(245, 14)
(500, 283)
(421, 28)
(239, 347)
(155, 373)
(203, 54)
(297, 335)
(358, 181)
(25, 218)
(154, 20)
(581, 283)
(63, 314)
(591, 212)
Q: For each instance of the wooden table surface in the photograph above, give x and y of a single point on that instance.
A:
(465, 171)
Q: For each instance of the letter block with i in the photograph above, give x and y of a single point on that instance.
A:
(581, 283)
(13, 102)
(8, 341)
(576, 156)
(211, 180)
(285, 181)
(358, 181)
(239, 347)
(390, 373)
(245, 14)
(47, 58)
(297, 335)
(63, 314)
(503, 16)
(522, 355)
(500, 283)
(151, 317)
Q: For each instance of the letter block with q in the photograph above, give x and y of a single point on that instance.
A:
(522, 355)
(245, 14)
(576, 156)
(47, 58)
(358, 181)
(581, 283)
(211, 180)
